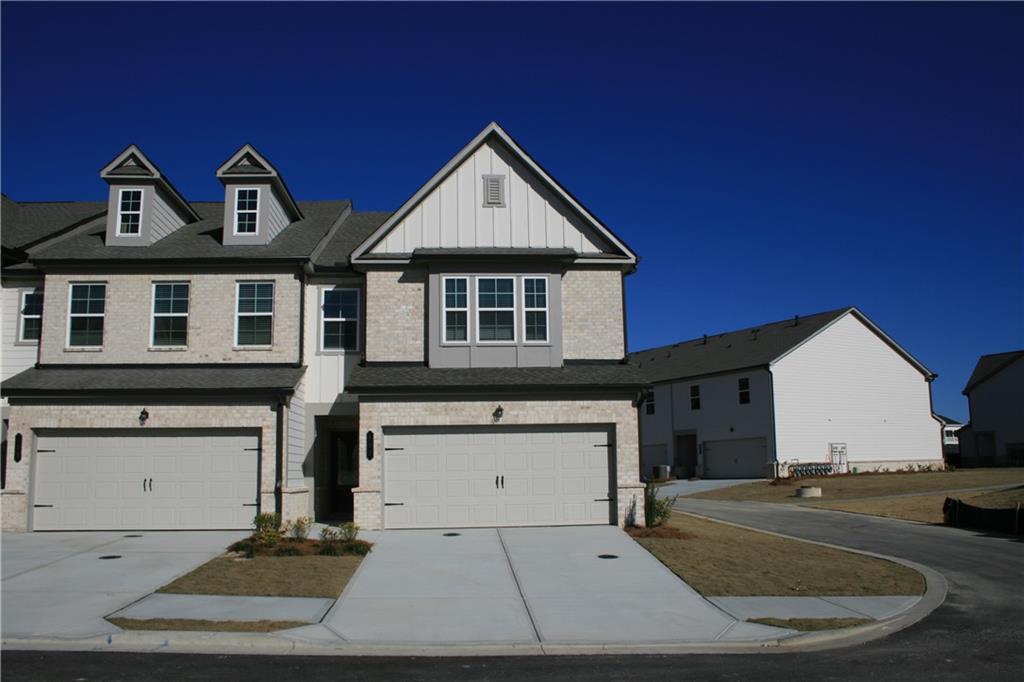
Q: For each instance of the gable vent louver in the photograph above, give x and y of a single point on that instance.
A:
(494, 191)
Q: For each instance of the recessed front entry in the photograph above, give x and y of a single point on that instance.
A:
(142, 479)
(500, 476)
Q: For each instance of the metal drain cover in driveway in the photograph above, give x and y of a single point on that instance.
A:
(607, 556)
(133, 536)
(111, 556)
(451, 535)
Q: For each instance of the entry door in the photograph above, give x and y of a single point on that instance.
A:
(464, 477)
(145, 480)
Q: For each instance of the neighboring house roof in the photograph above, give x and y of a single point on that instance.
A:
(202, 240)
(990, 365)
(415, 378)
(337, 249)
(757, 346)
(946, 420)
(495, 131)
(150, 379)
(28, 223)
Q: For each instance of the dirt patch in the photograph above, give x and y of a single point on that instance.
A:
(205, 625)
(720, 560)
(812, 624)
(269, 576)
(664, 532)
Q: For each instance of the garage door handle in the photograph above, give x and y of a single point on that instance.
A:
(496, 482)
(249, 504)
(48, 506)
(502, 482)
(394, 504)
(603, 499)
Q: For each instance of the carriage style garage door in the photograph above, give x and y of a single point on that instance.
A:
(736, 458)
(463, 477)
(145, 479)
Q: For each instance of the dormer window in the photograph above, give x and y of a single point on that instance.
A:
(129, 212)
(247, 202)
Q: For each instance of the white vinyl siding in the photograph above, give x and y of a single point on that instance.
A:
(15, 356)
(296, 434)
(165, 220)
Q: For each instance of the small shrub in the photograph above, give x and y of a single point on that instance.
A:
(348, 532)
(330, 549)
(330, 541)
(299, 528)
(356, 548)
(268, 529)
(288, 550)
(657, 510)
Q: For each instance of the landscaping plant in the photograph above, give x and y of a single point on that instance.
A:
(657, 510)
(299, 528)
(267, 529)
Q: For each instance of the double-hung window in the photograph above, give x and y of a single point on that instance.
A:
(456, 310)
(744, 388)
(695, 397)
(170, 314)
(129, 212)
(535, 308)
(650, 402)
(340, 319)
(30, 314)
(85, 315)
(496, 305)
(247, 201)
(255, 319)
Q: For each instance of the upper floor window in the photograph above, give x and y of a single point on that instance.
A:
(129, 212)
(695, 397)
(744, 388)
(456, 309)
(496, 303)
(535, 307)
(30, 312)
(247, 212)
(255, 320)
(340, 309)
(85, 315)
(650, 402)
(170, 314)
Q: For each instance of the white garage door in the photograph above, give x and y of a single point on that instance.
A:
(736, 458)
(145, 480)
(463, 477)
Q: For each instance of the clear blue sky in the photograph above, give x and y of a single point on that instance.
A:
(764, 160)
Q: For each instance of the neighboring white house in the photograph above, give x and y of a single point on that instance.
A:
(829, 389)
(950, 439)
(994, 436)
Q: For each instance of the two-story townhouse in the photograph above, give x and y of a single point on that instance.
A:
(994, 434)
(830, 390)
(458, 362)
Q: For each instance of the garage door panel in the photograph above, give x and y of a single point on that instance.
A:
(735, 458)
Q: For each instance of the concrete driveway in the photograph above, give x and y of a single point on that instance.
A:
(524, 586)
(683, 488)
(58, 584)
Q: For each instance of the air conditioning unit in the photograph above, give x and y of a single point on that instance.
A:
(661, 472)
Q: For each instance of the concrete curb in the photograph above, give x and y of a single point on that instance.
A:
(275, 644)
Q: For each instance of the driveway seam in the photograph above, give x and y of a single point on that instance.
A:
(63, 558)
(515, 578)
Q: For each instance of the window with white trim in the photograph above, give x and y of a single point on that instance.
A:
(496, 305)
(744, 389)
(30, 315)
(255, 314)
(170, 314)
(129, 212)
(340, 310)
(247, 201)
(85, 315)
(695, 397)
(456, 310)
(535, 309)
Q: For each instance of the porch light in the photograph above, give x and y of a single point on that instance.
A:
(498, 413)
(143, 416)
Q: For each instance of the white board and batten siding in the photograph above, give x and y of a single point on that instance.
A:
(15, 357)
(324, 380)
(847, 385)
(453, 215)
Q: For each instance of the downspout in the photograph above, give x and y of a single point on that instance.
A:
(771, 402)
(279, 458)
(302, 315)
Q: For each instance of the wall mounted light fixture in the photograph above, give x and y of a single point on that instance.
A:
(143, 416)
(499, 412)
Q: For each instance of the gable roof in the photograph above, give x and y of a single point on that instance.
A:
(990, 365)
(493, 131)
(758, 346)
(133, 163)
(249, 163)
(26, 224)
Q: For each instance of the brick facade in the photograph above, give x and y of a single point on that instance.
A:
(128, 320)
(592, 315)
(395, 315)
(375, 415)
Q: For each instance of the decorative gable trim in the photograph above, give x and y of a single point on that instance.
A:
(132, 163)
(249, 164)
(495, 131)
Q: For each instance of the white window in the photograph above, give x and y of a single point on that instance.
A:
(744, 389)
(87, 303)
(129, 212)
(254, 323)
(170, 314)
(496, 306)
(456, 310)
(30, 315)
(340, 314)
(247, 212)
(650, 401)
(494, 191)
(535, 309)
(695, 397)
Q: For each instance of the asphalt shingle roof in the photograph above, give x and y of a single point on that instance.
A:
(183, 378)
(25, 223)
(371, 378)
(946, 420)
(358, 226)
(751, 347)
(202, 240)
(989, 365)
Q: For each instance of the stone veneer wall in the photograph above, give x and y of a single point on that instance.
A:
(24, 419)
(395, 315)
(592, 315)
(374, 415)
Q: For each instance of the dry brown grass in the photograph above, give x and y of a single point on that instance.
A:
(999, 499)
(869, 485)
(261, 576)
(205, 625)
(811, 624)
(721, 560)
(925, 508)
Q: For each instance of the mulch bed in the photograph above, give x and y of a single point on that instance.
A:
(295, 547)
(663, 532)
